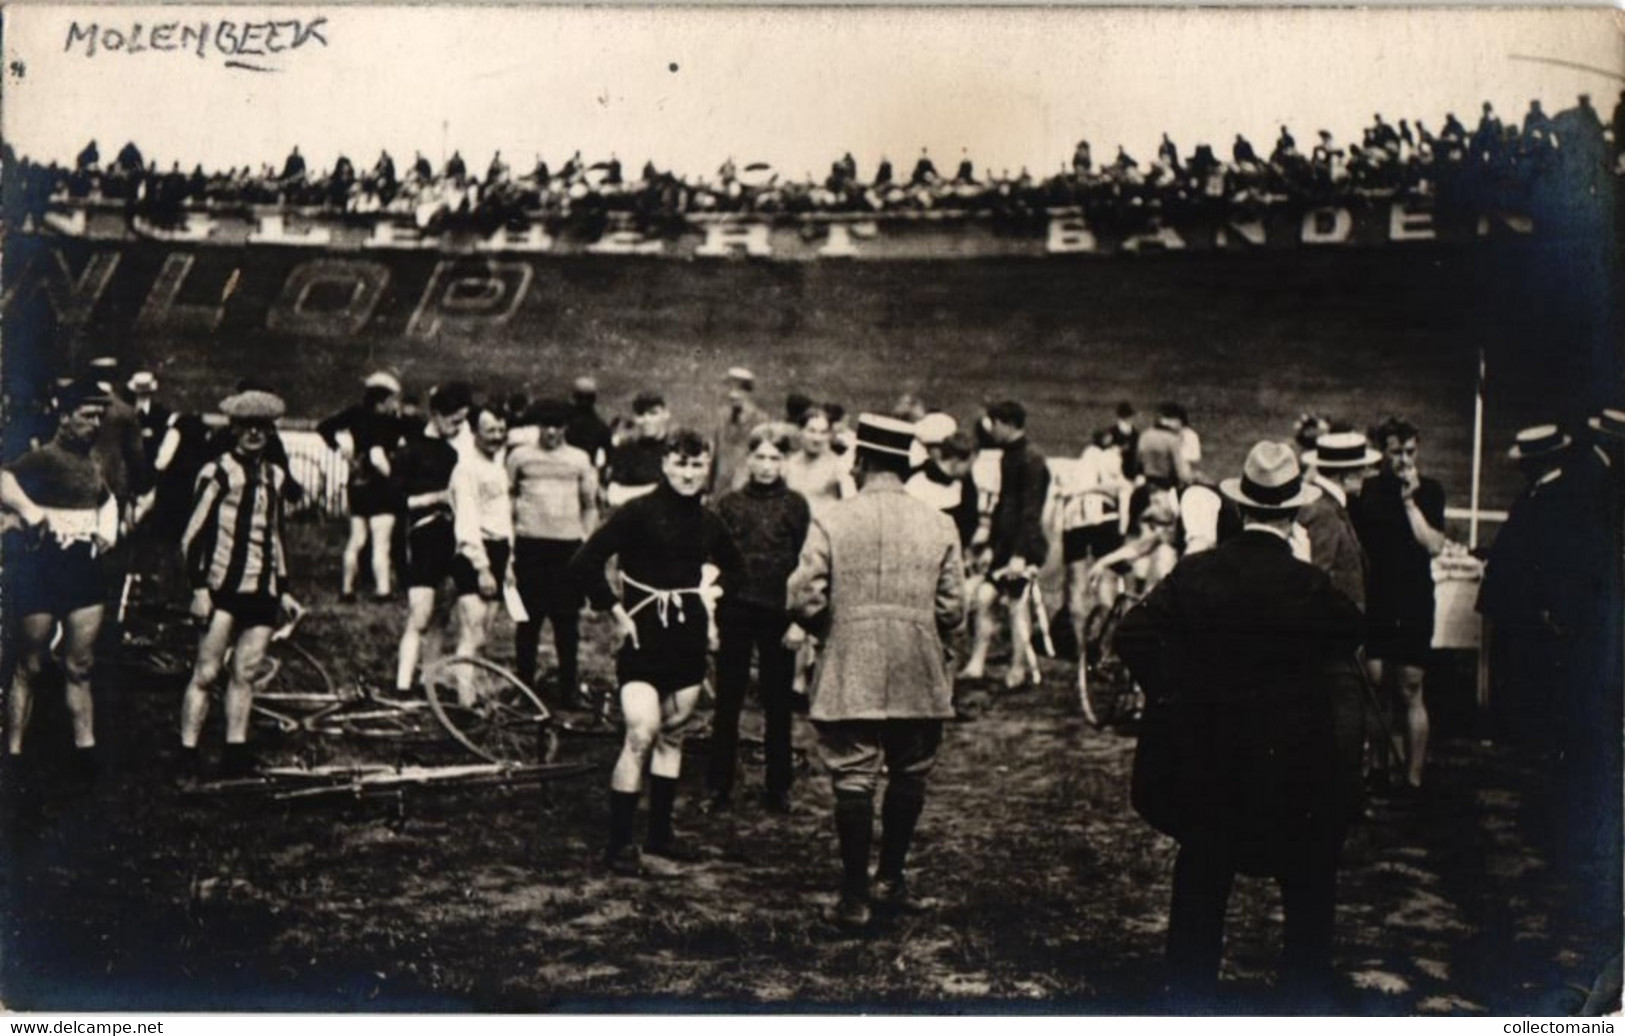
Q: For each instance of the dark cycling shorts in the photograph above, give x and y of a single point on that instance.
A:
(467, 581)
(372, 498)
(1404, 642)
(1089, 542)
(430, 551)
(249, 610)
(52, 579)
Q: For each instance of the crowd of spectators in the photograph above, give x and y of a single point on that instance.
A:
(1496, 164)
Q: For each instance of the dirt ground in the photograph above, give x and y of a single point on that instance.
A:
(1047, 893)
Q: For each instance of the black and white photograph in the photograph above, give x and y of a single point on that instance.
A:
(914, 510)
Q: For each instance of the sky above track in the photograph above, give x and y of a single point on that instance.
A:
(793, 87)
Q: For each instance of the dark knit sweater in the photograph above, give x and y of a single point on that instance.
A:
(769, 525)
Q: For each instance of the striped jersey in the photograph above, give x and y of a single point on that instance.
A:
(233, 542)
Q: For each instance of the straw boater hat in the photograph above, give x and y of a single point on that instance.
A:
(142, 383)
(1270, 480)
(253, 405)
(384, 380)
(934, 429)
(1539, 440)
(742, 377)
(1609, 422)
(1341, 450)
(886, 436)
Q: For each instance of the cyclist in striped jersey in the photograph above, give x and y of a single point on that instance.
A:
(238, 565)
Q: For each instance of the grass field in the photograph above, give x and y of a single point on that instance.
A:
(1246, 342)
(1048, 894)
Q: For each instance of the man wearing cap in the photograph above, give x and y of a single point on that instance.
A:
(1546, 594)
(152, 417)
(944, 480)
(555, 492)
(734, 422)
(1017, 545)
(880, 580)
(635, 465)
(376, 431)
(69, 519)
(1237, 758)
(236, 558)
(1399, 516)
(1338, 466)
(119, 449)
(587, 431)
(423, 469)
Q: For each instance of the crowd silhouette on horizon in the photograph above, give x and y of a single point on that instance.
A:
(1497, 164)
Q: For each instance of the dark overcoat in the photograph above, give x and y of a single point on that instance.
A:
(1235, 650)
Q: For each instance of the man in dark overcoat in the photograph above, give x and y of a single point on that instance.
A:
(1238, 758)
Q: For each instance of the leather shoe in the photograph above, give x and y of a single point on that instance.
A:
(893, 895)
(625, 861)
(673, 849)
(848, 914)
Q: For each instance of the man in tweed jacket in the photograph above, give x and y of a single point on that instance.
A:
(880, 581)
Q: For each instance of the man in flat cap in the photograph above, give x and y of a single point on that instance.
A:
(236, 558)
(880, 581)
(1238, 759)
(731, 435)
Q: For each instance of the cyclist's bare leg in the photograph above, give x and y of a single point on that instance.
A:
(641, 712)
(79, 632)
(1022, 655)
(245, 662)
(1416, 722)
(211, 653)
(36, 633)
(381, 528)
(352, 553)
(419, 613)
(1077, 607)
(473, 630)
(1378, 754)
(675, 712)
(984, 598)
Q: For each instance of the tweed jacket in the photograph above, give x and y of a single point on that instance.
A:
(880, 579)
(1334, 547)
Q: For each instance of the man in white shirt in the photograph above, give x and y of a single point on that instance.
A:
(1091, 527)
(482, 520)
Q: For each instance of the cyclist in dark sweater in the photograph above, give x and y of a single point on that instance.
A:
(69, 518)
(768, 521)
(663, 542)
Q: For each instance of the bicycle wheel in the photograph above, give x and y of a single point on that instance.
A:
(1103, 680)
(292, 678)
(489, 710)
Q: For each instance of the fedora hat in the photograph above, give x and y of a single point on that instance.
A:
(884, 435)
(1270, 480)
(1609, 422)
(1539, 440)
(1341, 450)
